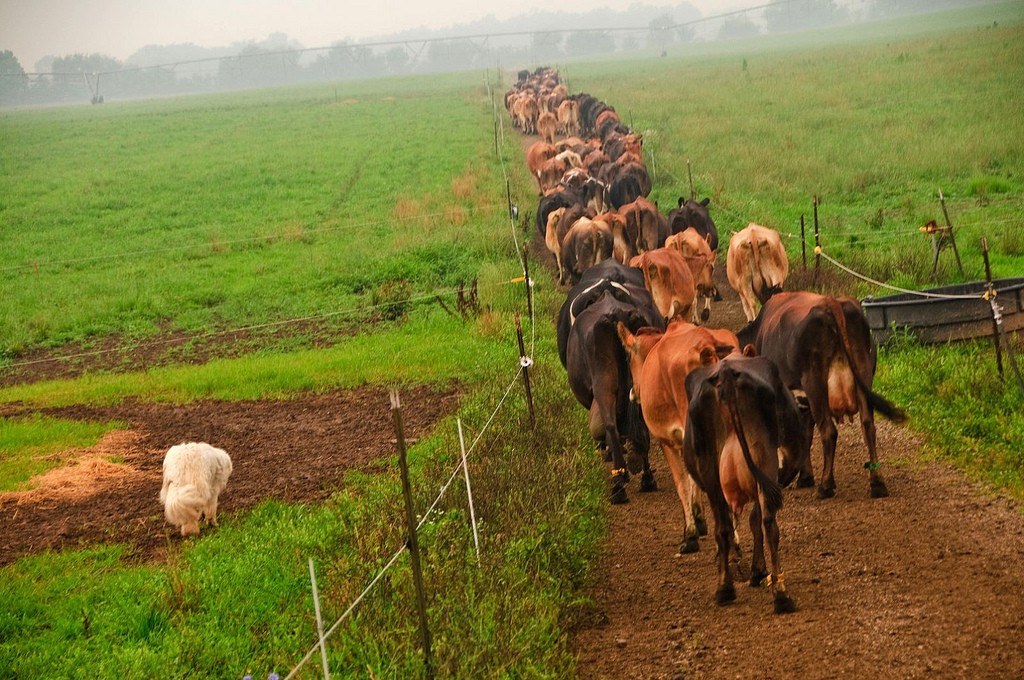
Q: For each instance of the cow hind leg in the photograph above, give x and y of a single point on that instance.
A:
(877, 484)
(829, 439)
(647, 481)
(783, 603)
(758, 568)
(686, 490)
(619, 479)
(726, 591)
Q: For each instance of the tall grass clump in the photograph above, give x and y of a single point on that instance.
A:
(955, 395)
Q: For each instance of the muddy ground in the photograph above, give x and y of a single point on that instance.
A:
(295, 450)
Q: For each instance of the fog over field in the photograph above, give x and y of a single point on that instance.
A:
(53, 51)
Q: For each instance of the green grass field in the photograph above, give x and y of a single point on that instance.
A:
(356, 206)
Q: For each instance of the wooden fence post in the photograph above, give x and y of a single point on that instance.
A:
(529, 289)
(413, 545)
(803, 242)
(817, 238)
(952, 239)
(524, 361)
(989, 294)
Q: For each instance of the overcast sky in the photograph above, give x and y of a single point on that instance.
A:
(32, 29)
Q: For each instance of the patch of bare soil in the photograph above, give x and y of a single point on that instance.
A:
(295, 450)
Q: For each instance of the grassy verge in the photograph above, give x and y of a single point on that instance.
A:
(29, 446)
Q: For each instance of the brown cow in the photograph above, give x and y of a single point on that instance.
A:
(537, 154)
(659, 363)
(646, 226)
(569, 117)
(547, 126)
(586, 244)
(741, 423)
(623, 249)
(756, 265)
(701, 260)
(551, 172)
(669, 279)
(823, 347)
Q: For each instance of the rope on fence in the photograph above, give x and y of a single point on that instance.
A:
(919, 293)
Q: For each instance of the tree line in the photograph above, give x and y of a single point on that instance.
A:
(161, 70)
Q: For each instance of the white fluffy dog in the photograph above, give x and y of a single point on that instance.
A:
(194, 475)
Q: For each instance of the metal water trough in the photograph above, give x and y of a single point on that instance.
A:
(936, 320)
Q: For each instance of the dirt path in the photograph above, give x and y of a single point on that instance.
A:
(926, 582)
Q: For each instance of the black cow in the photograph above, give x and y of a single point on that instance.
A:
(823, 347)
(690, 213)
(740, 416)
(598, 370)
(552, 201)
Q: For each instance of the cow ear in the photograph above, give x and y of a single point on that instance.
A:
(705, 202)
(681, 201)
(627, 338)
(749, 351)
(708, 356)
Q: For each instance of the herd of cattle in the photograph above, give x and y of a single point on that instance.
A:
(734, 412)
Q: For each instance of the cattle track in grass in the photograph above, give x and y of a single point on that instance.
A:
(926, 582)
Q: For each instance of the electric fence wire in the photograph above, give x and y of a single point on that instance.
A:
(426, 515)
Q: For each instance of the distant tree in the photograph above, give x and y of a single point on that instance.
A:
(738, 26)
(13, 82)
(456, 54)
(396, 59)
(74, 71)
(582, 43)
(545, 45)
(785, 16)
(659, 33)
(86, 63)
(685, 34)
(891, 8)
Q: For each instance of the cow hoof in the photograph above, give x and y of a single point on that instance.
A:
(784, 604)
(619, 495)
(725, 594)
(690, 545)
(757, 578)
(705, 314)
(878, 489)
(824, 492)
(805, 482)
(647, 482)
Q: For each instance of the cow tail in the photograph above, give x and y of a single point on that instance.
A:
(876, 402)
(769, 487)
